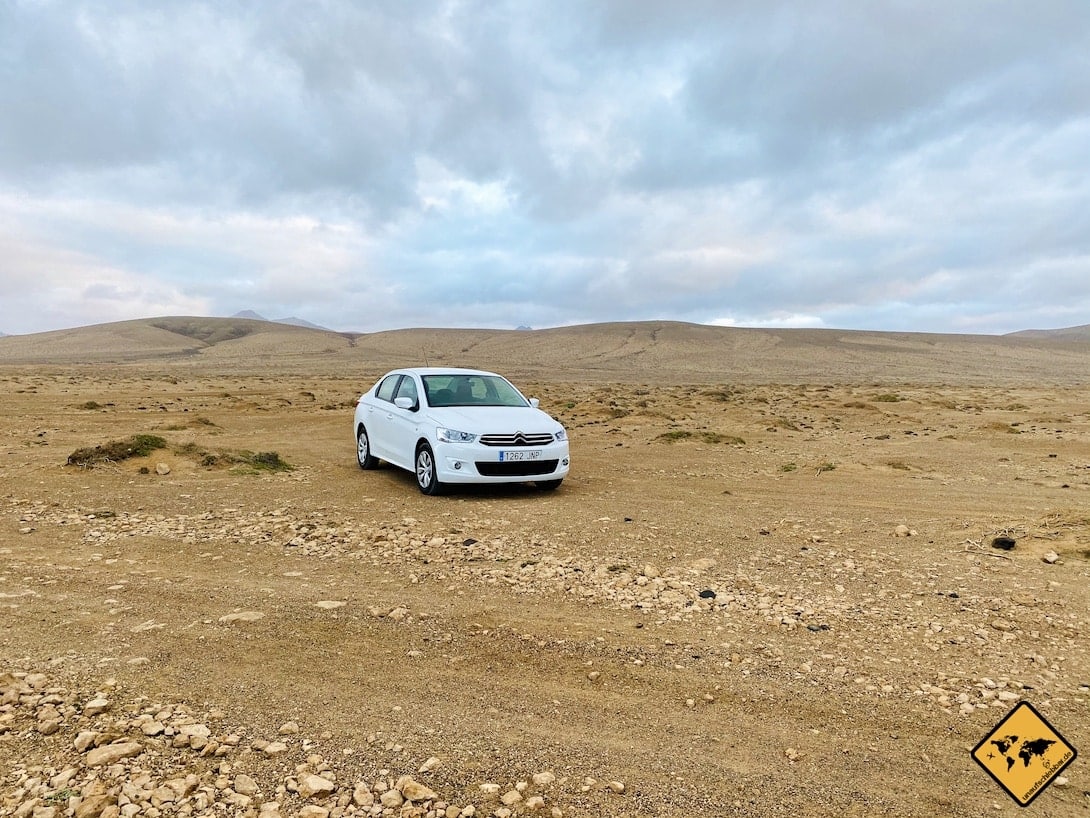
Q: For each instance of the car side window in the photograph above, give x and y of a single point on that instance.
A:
(387, 388)
(407, 389)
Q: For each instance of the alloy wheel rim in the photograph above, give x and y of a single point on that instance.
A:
(423, 469)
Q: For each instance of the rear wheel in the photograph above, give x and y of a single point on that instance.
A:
(426, 479)
(549, 485)
(363, 450)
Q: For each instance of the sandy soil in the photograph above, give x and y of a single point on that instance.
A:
(750, 598)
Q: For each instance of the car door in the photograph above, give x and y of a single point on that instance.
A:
(403, 421)
(378, 416)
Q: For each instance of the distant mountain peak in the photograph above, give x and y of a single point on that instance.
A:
(250, 314)
(293, 321)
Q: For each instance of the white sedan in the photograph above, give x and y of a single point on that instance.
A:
(450, 425)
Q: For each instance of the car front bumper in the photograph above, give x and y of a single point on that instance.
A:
(473, 463)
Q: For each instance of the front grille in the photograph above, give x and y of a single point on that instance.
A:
(517, 468)
(517, 439)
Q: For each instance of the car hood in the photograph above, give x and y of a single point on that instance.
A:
(493, 419)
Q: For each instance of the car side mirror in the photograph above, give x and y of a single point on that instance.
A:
(534, 402)
(404, 403)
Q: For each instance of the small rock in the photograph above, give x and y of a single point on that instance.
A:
(275, 748)
(330, 604)
(96, 706)
(1051, 558)
(616, 786)
(84, 740)
(93, 806)
(903, 530)
(544, 779)
(313, 811)
(289, 728)
(415, 791)
(1004, 543)
(391, 799)
(244, 785)
(242, 616)
(362, 795)
(162, 469)
(511, 797)
(112, 753)
(312, 785)
(430, 765)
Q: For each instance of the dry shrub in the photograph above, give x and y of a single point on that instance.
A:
(117, 450)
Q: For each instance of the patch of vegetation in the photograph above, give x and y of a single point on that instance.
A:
(91, 406)
(675, 435)
(824, 467)
(60, 796)
(715, 437)
(999, 426)
(244, 461)
(784, 423)
(900, 465)
(117, 450)
(787, 468)
(721, 395)
(887, 397)
(266, 461)
(859, 404)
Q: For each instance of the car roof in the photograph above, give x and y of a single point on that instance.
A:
(441, 370)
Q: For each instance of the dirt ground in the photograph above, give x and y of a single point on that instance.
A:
(746, 600)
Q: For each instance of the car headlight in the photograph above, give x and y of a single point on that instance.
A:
(561, 436)
(454, 436)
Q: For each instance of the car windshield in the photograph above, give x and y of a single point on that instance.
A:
(471, 390)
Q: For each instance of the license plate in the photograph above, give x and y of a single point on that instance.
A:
(509, 457)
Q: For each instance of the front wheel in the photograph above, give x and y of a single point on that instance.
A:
(363, 450)
(549, 485)
(426, 479)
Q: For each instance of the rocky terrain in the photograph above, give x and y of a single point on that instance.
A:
(750, 598)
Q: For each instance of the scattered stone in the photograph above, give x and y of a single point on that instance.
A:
(312, 785)
(241, 616)
(289, 728)
(162, 469)
(415, 791)
(430, 764)
(112, 753)
(1051, 558)
(330, 604)
(244, 785)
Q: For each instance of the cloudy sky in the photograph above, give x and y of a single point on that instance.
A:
(373, 165)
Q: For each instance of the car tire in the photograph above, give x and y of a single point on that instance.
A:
(549, 485)
(426, 478)
(363, 450)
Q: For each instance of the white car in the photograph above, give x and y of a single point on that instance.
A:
(450, 425)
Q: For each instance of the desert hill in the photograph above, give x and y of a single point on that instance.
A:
(659, 351)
